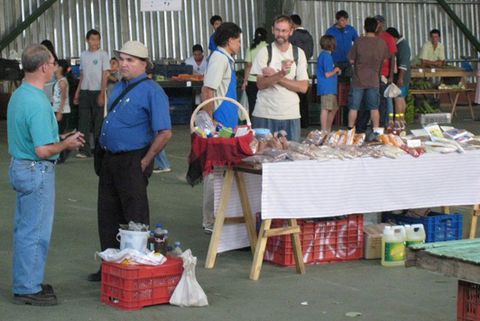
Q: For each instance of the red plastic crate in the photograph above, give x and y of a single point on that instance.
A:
(341, 239)
(132, 287)
(468, 301)
(327, 240)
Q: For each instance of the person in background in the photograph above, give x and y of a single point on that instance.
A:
(345, 35)
(327, 82)
(367, 57)
(114, 76)
(386, 104)
(197, 60)
(90, 94)
(302, 39)
(34, 144)
(216, 21)
(61, 101)
(220, 80)
(136, 129)
(433, 51)
(477, 91)
(279, 78)
(402, 78)
(49, 85)
(250, 81)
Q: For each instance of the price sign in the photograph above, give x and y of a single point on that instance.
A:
(161, 5)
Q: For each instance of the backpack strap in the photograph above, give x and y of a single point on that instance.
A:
(124, 92)
(294, 50)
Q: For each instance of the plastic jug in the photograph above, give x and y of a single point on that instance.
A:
(393, 246)
(415, 234)
(136, 240)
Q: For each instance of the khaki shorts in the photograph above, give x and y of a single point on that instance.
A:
(329, 102)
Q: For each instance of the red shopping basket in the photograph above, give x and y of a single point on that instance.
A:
(206, 153)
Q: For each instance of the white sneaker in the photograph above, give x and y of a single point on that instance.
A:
(208, 229)
(81, 155)
(162, 170)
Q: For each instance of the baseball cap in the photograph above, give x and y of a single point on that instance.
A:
(380, 18)
(134, 48)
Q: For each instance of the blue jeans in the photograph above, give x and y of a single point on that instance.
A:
(291, 126)
(34, 183)
(161, 160)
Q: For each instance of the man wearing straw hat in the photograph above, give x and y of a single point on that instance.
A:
(136, 129)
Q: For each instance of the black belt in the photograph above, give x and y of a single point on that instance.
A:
(107, 152)
(41, 160)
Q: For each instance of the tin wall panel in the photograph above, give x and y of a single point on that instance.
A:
(167, 34)
(414, 19)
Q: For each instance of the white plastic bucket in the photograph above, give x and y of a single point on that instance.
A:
(136, 240)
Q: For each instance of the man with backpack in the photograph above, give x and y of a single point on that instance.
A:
(281, 70)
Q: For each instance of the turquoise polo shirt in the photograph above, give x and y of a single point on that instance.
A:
(30, 122)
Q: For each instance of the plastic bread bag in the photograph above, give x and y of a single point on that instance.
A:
(188, 292)
(392, 91)
(294, 156)
(278, 155)
(258, 159)
(132, 256)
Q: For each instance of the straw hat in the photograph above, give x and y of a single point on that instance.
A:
(134, 48)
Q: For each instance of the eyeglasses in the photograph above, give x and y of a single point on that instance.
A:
(52, 63)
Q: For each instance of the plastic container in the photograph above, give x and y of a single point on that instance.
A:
(177, 249)
(132, 287)
(323, 241)
(393, 246)
(161, 239)
(438, 226)
(136, 240)
(415, 234)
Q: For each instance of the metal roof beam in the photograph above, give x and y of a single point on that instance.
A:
(25, 24)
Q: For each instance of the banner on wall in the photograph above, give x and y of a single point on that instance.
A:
(161, 5)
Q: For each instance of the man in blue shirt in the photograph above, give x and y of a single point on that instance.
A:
(136, 129)
(344, 35)
(216, 21)
(34, 145)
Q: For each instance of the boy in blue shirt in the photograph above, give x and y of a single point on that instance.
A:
(327, 82)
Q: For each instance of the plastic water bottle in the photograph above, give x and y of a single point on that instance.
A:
(415, 234)
(161, 239)
(393, 246)
(177, 249)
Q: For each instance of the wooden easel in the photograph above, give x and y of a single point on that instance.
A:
(473, 226)
(257, 245)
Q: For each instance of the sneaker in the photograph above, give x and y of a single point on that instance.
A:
(162, 170)
(81, 155)
(208, 229)
(42, 298)
(95, 277)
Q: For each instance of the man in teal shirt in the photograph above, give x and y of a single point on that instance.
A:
(34, 145)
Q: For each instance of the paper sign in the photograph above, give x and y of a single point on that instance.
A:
(161, 5)
(189, 84)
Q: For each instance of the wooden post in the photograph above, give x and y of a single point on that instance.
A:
(260, 250)
(297, 248)
(219, 220)
(473, 226)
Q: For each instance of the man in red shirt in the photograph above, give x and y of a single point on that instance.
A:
(386, 104)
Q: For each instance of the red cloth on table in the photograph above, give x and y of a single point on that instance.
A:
(206, 153)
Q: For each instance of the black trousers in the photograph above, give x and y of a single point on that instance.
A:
(122, 194)
(304, 121)
(252, 91)
(90, 117)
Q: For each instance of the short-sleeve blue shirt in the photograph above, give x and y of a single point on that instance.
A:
(211, 43)
(137, 118)
(344, 38)
(30, 122)
(325, 86)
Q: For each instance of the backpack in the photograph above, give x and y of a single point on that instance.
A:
(294, 49)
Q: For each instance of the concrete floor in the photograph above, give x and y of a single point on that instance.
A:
(331, 290)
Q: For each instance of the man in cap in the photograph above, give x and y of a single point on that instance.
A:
(34, 145)
(136, 129)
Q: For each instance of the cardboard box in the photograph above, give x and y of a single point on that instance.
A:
(373, 240)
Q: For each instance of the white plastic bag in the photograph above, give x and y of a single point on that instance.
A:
(244, 102)
(392, 91)
(146, 257)
(188, 292)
